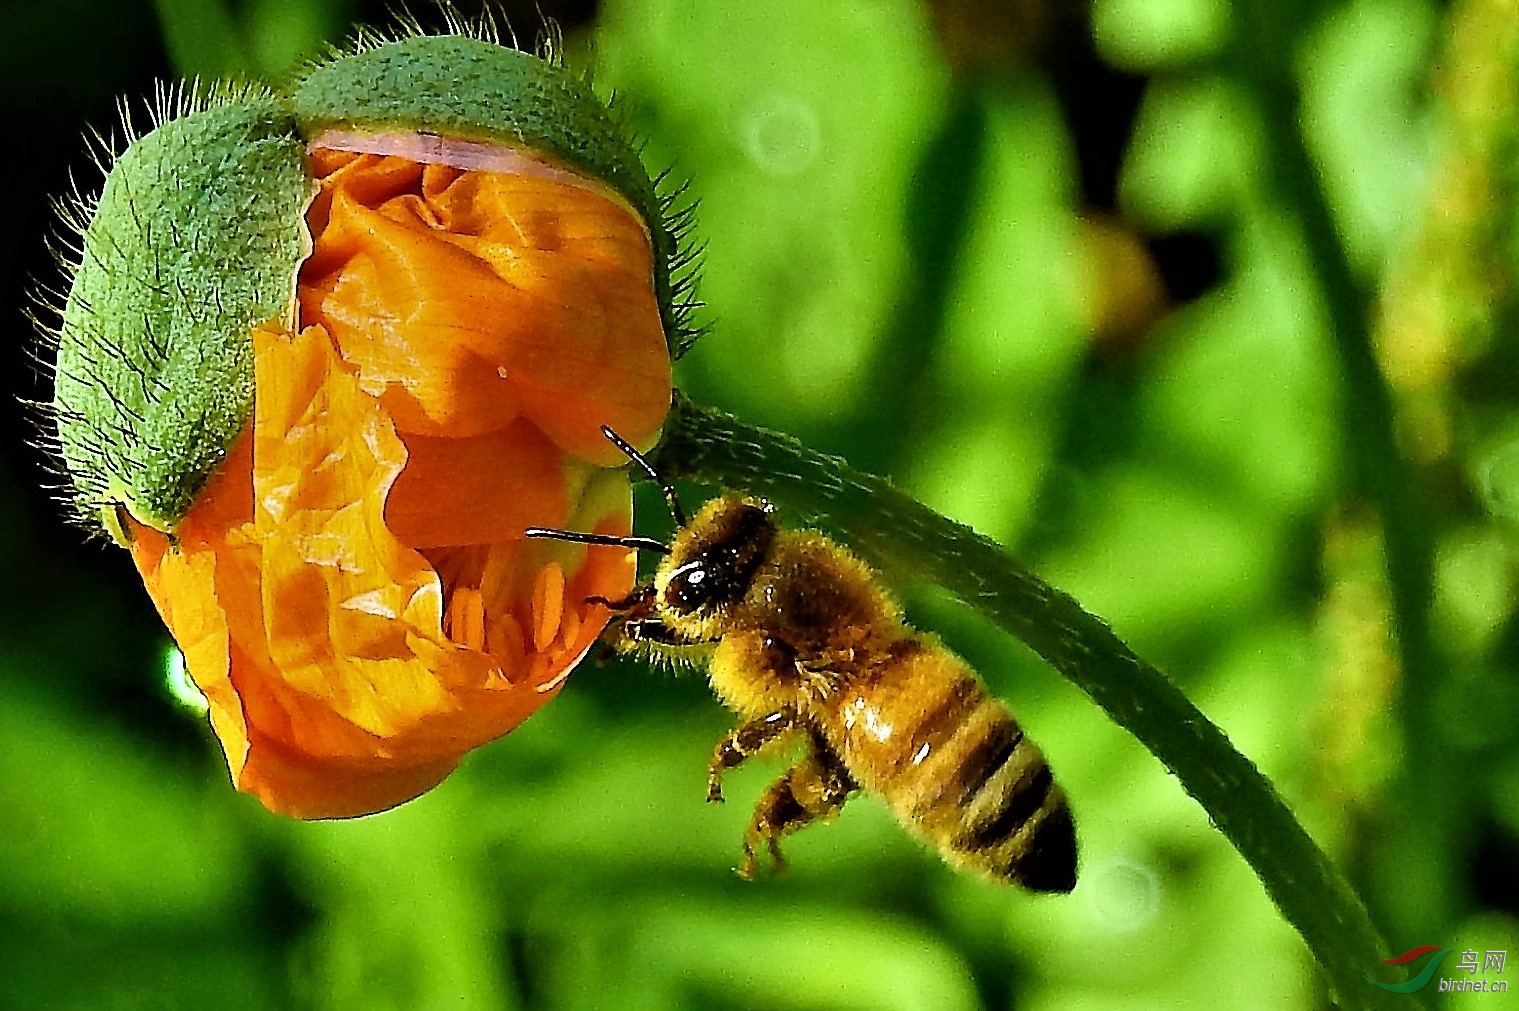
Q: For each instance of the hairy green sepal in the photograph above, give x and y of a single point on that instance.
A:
(465, 88)
(197, 239)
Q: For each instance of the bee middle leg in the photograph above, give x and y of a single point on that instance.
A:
(746, 740)
(813, 789)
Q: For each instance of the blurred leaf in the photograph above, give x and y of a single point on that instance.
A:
(203, 39)
(1362, 77)
(258, 39)
(1012, 339)
(1192, 154)
(799, 123)
(1145, 34)
(666, 952)
(1244, 390)
(138, 850)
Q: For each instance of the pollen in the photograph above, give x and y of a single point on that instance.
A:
(548, 605)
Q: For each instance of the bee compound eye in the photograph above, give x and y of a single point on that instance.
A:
(690, 587)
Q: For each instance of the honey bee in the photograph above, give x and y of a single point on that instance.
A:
(803, 643)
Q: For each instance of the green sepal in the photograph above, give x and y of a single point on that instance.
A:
(466, 88)
(197, 239)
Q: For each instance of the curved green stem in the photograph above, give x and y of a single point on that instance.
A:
(893, 531)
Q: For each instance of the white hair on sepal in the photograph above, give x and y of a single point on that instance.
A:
(677, 207)
(549, 46)
(82, 490)
(490, 25)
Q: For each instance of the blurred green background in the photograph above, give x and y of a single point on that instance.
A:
(1057, 270)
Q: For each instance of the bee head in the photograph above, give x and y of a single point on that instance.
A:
(711, 562)
(714, 557)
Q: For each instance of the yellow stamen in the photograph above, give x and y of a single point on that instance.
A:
(548, 605)
(569, 630)
(466, 618)
(506, 638)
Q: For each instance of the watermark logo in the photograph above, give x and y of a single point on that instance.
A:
(1471, 963)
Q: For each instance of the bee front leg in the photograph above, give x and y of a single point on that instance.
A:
(813, 789)
(639, 601)
(746, 740)
(652, 630)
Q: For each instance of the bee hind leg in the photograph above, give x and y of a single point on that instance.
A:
(814, 789)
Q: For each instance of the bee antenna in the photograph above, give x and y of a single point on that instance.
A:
(636, 543)
(676, 511)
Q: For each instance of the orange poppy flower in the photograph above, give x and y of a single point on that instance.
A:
(352, 590)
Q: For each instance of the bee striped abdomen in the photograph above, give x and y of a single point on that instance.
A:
(954, 766)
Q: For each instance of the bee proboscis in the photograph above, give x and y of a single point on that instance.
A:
(804, 644)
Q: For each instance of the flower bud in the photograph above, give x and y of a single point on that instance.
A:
(326, 356)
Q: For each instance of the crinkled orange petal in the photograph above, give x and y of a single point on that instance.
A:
(468, 490)
(478, 297)
(182, 582)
